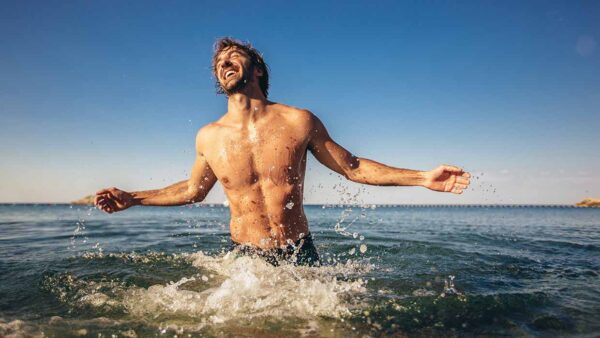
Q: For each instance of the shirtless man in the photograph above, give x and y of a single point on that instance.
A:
(257, 150)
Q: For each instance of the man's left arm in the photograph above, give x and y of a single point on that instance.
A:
(445, 178)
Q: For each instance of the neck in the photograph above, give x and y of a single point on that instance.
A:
(244, 105)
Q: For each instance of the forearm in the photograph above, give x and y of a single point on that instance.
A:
(370, 172)
(177, 194)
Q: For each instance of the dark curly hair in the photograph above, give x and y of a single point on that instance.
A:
(255, 57)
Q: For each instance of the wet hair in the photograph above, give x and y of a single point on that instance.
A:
(254, 55)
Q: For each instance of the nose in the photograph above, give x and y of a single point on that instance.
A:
(225, 64)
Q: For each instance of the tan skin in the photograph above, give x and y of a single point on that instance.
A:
(257, 150)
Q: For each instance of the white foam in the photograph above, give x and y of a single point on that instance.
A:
(18, 328)
(246, 287)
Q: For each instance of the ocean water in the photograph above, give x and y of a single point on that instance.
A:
(393, 271)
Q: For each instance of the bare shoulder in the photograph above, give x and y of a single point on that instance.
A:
(300, 117)
(206, 135)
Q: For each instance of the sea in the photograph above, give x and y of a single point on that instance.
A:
(402, 271)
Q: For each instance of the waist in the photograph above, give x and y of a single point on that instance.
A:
(284, 246)
(301, 252)
(268, 232)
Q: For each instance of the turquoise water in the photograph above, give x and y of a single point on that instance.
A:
(427, 271)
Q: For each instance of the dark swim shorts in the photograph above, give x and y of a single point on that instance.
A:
(303, 252)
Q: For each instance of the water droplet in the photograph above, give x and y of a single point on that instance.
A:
(363, 248)
(289, 205)
(355, 235)
(352, 251)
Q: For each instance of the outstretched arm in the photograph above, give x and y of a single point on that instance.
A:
(192, 190)
(444, 178)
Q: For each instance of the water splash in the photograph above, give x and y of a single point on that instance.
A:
(363, 248)
(227, 287)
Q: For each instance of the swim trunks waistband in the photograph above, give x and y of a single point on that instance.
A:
(302, 252)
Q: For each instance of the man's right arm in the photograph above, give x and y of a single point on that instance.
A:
(192, 190)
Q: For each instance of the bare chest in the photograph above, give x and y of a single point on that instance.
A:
(240, 158)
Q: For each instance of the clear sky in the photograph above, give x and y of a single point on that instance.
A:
(111, 93)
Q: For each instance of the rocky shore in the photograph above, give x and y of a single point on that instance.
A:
(87, 200)
(589, 202)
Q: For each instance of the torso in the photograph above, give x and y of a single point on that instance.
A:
(261, 164)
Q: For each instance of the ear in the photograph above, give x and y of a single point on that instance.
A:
(258, 72)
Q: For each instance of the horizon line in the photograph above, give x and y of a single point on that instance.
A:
(365, 206)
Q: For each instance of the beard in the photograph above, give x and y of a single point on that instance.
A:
(239, 84)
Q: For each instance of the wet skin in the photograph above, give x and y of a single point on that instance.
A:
(261, 164)
(257, 150)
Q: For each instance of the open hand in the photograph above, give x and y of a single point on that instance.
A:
(447, 178)
(112, 200)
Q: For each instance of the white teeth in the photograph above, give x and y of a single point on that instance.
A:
(231, 72)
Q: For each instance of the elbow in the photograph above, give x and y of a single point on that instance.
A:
(352, 174)
(349, 175)
(196, 199)
(352, 171)
(195, 194)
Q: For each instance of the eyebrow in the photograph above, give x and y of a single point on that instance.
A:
(230, 51)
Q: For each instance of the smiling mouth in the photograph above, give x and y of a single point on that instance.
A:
(229, 73)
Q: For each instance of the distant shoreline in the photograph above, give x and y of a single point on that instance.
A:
(364, 206)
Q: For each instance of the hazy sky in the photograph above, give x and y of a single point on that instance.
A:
(103, 93)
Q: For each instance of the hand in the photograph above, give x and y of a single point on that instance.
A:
(112, 200)
(447, 178)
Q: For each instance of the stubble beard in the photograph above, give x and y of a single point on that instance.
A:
(240, 84)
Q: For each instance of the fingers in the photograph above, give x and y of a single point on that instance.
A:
(99, 200)
(459, 176)
(110, 193)
(104, 203)
(456, 190)
(460, 186)
(462, 180)
(104, 206)
(107, 201)
(111, 190)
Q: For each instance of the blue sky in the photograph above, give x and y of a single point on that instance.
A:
(103, 93)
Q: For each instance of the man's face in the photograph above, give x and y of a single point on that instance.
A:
(233, 70)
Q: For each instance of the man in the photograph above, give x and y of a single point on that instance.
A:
(257, 150)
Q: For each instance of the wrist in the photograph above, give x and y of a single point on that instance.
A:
(136, 199)
(422, 178)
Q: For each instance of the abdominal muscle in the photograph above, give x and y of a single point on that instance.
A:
(267, 216)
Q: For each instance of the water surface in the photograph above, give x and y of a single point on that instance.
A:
(416, 271)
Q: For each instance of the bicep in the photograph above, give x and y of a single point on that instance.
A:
(328, 152)
(202, 177)
(201, 172)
